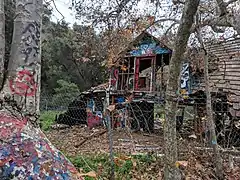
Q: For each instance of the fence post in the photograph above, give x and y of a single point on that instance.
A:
(109, 125)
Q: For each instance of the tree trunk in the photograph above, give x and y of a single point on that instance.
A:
(22, 85)
(210, 122)
(2, 41)
(25, 151)
(210, 119)
(170, 147)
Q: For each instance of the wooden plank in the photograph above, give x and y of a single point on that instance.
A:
(223, 69)
(226, 78)
(222, 73)
(225, 49)
(234, 98)
(226, 43)
(229, 63)
(235, 83)
(226, 83)
(224, 52)
(230, 88)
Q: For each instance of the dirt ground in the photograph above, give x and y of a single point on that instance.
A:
(81, 140)
(196, 162)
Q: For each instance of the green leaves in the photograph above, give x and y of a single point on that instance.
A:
(64, 54)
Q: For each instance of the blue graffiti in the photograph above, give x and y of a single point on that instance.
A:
(151, 48)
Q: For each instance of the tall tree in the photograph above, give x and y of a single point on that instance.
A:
(25, 151)
(184, 31)
(210, 119)
(22, 83)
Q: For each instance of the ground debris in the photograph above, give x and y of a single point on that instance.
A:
(144, 152)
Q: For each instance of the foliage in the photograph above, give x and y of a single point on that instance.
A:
(74, 55)
(65, 92)
(126, 169)
(47, 119)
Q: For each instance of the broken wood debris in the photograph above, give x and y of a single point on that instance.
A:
(96, 134)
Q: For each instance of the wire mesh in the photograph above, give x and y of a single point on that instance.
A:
(146, 116)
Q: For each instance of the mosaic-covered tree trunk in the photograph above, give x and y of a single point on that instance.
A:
(25, 152)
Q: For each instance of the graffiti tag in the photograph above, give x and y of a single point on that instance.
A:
(185, 78)
(31, 40)
(114, 78)
(24, 84)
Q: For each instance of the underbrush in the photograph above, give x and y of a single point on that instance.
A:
(143, 166)
(47, 119)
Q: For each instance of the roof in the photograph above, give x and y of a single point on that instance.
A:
(99, 88)
(136, 41)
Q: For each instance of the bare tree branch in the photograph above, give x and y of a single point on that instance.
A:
(55, 6)
(230, 2)
(226, 18)
(222, 6)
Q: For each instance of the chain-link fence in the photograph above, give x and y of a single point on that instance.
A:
(137, 122)
(145, 115)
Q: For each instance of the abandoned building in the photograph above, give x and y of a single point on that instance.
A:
(137, 82)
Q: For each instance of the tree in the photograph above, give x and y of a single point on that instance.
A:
(74, 55)
(210, 119)
(22, 82)
(65, 93)
(25, 150)
(184, 31)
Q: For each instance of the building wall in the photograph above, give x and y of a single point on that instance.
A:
(227, 77)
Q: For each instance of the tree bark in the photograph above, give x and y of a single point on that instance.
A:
(170, 147)
(2, 41)
(210, 119)
(26, 153)
(22, 85)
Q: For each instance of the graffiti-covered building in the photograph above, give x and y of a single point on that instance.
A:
(141, 72)
(141, 68)
(137, 83)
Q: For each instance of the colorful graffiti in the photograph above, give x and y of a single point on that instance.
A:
(185, 80)
(114, 78)
(31, 40)
(94, 119)
(24, 83)
(148, 49)
(26, 153)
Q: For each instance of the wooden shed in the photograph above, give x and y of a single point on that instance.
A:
(140, 68)
(227, 76)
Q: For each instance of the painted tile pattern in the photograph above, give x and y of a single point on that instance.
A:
(26, 153)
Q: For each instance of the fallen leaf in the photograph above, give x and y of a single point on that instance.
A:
(182, 163)
(90, 174)
(199, 166)
(160, 177)
(134, 162)
(123, 157)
